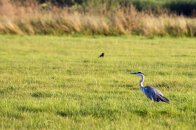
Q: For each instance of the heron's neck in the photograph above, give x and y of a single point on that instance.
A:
(141, 81)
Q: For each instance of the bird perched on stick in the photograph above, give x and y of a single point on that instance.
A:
(102, 55)
(151, 92)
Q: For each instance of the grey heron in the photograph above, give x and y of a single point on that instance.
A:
(151, 92)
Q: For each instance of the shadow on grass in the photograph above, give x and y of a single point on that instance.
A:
(163, 84)
(7, 90)
(41, 94)
(142, 113)
(156, 113)
(99, 113)
(30, 109)
(12, 114)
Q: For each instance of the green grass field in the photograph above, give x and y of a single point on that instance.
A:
(58, 82)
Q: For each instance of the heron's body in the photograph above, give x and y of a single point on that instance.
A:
(151, 92)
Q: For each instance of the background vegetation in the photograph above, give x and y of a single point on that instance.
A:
(185, 7)
(34, 18)
(50, 82)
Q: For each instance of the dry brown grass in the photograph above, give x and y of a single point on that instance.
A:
(44, 19)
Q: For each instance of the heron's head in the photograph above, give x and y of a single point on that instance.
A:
(137, 73)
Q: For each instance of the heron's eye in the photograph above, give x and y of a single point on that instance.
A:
(140, 73)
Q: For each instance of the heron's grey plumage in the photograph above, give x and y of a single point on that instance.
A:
(154, 94)
(151, 92)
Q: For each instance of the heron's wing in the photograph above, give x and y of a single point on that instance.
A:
(154, 94)
(151, 93)
(156, 91)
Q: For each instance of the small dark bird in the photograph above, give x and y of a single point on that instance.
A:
(102, 55)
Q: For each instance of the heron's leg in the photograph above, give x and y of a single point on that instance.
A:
(152, 99)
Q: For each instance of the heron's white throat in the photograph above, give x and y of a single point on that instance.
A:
(142, 80)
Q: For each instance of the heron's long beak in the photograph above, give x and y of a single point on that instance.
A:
(132, 73)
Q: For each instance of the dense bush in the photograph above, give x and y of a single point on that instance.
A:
(186, 7)
(183, 7)
(63, 2)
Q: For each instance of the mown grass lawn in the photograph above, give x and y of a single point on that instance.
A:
(58, 82)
